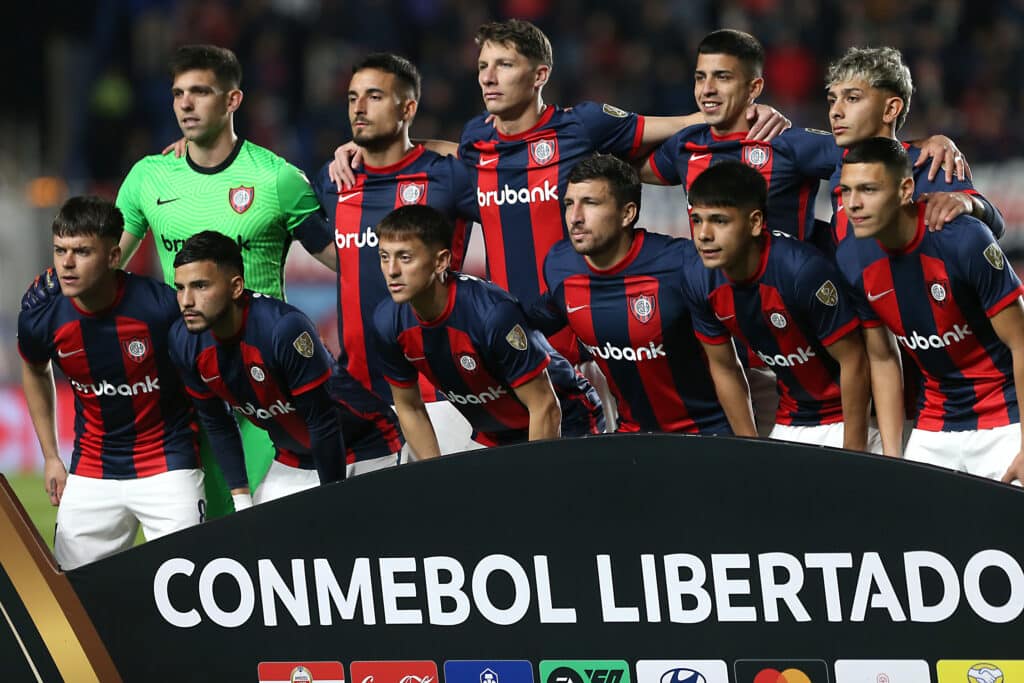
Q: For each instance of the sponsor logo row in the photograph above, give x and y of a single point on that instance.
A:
(649, 671)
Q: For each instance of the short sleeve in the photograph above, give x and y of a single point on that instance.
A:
(848, 263)
(463, 189)
(295, 195)
(985, 266)
(395, 368)
(299, 353)
(664, 161)
(514, 348)
(127, 201)
(181, 349)
(34, 343)
(696, 286)
(611, 130)
(824, 300)
(814, 152)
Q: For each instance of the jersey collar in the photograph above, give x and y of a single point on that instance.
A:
(738, 135)
(452, 284)
(634, 251)
(410, 156)
(915, 242)
(122, 279)
(219, 167)
(545, 116)
(766, 246)
(237, 336)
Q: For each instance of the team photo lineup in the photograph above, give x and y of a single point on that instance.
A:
(894, 327)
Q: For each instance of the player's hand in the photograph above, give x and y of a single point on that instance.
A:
(942, 207)
(945, 155)
(1016, 470)
(765, 122)
(43, 288)
(346, 158)
(178, 147)
(55, 478)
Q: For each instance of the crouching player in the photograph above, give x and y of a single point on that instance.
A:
(471, 341)
(785, 301)
(242, 351)
(136, 454)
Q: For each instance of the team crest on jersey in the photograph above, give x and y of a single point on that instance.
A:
(778, 319)
(939, 289)
(304, 345)
(542, 151)
(412, 192)
(614, 111)
(516, 338)
(467, 362)
(257, 373)
(241, 198)
(828, 294)
(994, 256)
(757, 155)
(642, 307)
(136, 348)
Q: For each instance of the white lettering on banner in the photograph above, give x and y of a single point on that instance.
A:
(367, 238)
(725, 587)
(105, 388)
(917, 341)
(524, 195)
(609, 352)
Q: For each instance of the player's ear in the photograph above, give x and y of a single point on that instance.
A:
(443, 260)
(234, 100)
(409, 109)
(541, 74)
(756, 88)
(893, 106)
(236, 286)
(756, 219)
(906, 190)
(629, 214)
(114, 257)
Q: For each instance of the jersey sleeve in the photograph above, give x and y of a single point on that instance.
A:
(848, 264)
(695, 284)
(181, 348)
(664, 161)
(128, 202)
(512, 346)
(824, 300)
(814, 152)
(296, 196)
(985, 266)
(463, 189)
(611, 130)
(35, 344)
(299, 353)
(396, 369)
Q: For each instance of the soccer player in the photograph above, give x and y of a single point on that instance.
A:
(260, 357)
(624, 292)
(136, 455)
(786, 302)
(471, 340)
(383, 96)
(952, 301)
(226, 184)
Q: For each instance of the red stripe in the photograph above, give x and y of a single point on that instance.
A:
(713, 341)
(311, 385)
(490, 217)
(545, 216)
(532, 373)
(68, 338)
(410, 340)
(841, 332)
(148, 452)
(348, 220)
(198, 394)
(394, 382)
(506, 410)
(802, 204)
(653, 165)
(638, 136)
(268, 393)
(694, 167)
(1005, 301)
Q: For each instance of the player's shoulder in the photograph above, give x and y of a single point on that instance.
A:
(478, 128)
(590, 108)
(260, 156)
(963, 235)
(386, 315)
(561, 261)
(471, 287)
(796, 137)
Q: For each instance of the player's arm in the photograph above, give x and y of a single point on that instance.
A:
(1009, 326)
(129, 245)
(416, 426)
(944, 155)
(349, 156)
(326, 443)
(731, 386)
(765, 123)
(547, 313)
(41, 397)
(943, 207)
(540, 400)
(226, 443)
(886, 387)
(854, 387)
(305, 216)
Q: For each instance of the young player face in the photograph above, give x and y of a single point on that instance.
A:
(726, 237)
(598, 226)
(509, 82)
(201, 105)
(872, 198)
(410, 267)
(82, 262)
(723, 89)
(377, 112)
(205, 294)
(858, 111)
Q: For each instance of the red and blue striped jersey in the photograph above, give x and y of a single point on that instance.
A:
(275, 357)
(635, 319)
(787, 313)
(792, 164)
(937, 295)
(421, 177)
(476, 353)
(132, 417)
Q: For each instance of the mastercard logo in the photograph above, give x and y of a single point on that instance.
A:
(785, 676)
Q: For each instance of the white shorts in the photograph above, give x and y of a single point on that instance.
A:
(982, 452)
(374, 464)
(823, 435)
(99, 517)
(283, 480)
(764, 398)
(452, 429)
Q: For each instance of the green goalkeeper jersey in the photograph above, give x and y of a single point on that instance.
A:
(254, 196)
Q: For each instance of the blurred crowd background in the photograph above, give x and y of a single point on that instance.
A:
(88, 92)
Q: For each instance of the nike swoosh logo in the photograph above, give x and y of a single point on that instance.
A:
(487, 162)
(573, 309)
(698, 157)
(875, 297)
(61, 354)
(723, 318)
(415, 359)
(209, 379)
(346, 197)
(161, 202)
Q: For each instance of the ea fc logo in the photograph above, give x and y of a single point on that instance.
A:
(241, 198)
(542, 151)
(757, 156)
(411, 192)
(642, 307)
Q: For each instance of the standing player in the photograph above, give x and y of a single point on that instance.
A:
(227, 184)
(262, 358)
(471, 340)
(624, 292)
(136, 456)
(383, 97)
(786, 302)
(953, 302)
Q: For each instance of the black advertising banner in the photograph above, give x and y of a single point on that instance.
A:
(616, 559)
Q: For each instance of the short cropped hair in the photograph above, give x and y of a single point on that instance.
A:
(220, 60)
(729, 184)
(886, 151)
(622, 178)
(420, 221)
(88, 215)
(405, 72)
(881, 67)
(529, 40)
(738, 44)
(210, 245)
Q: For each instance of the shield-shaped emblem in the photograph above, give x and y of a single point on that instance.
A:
(642, 306)
(516, 338)
(994, 256)
(136, 349)
(542, 151)
(412, 192)
(828, 294)
(939, 289)
(304, 345)
(241, 198)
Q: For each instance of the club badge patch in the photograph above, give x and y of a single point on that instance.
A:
(994, 256)
(542, 151)
(412, 192)
(939, 290)
(778, 319)
(828, 294)
(467, 362)
(257, 373)
(304, 345)
(757, 156)
(136, 349)
(516, 338)
(642, 307)
(614, 111)
(241, 198)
